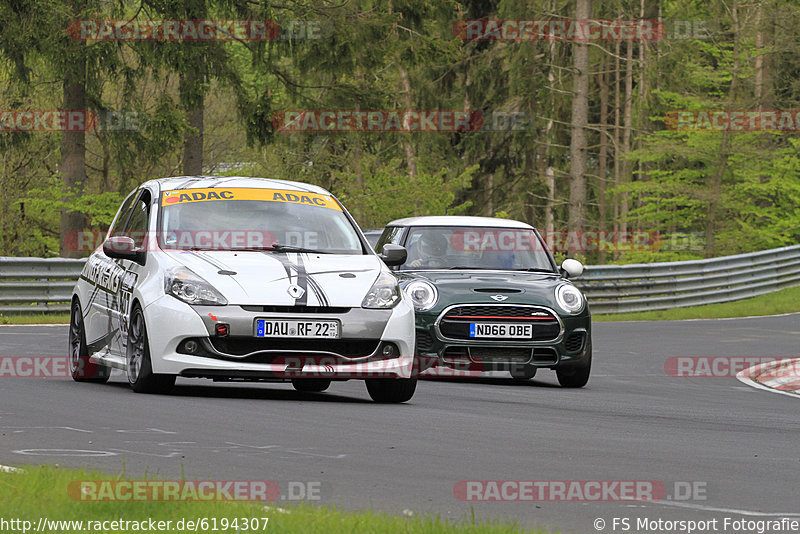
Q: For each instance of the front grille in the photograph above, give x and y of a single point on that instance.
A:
(296, 309)
(347, 348)
(424, 340)
(500, 354)
(574, 341)
(504, 311)
(455, 323)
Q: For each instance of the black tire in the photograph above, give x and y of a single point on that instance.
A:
(391, 390)
(137, 357)
(575, 377)
(81, 367)
(311, 385)
(522, 372)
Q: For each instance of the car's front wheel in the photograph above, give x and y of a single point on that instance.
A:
(391, 390)
(80, 365)
(311, 385)
(575, 377)
(139, 367)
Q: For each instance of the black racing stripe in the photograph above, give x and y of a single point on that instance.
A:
(187, 182)
(299, 269)
(222, 180)
(323, 299)
(302, 281)
(98, 344)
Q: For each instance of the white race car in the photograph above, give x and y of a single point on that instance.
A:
(234, 278)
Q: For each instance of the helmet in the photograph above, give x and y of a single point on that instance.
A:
(432, 244)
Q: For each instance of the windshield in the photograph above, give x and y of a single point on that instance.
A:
(254, 218)
(509, 249)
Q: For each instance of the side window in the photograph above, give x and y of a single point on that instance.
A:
(140, 216)
(391, 234)
(122, 214)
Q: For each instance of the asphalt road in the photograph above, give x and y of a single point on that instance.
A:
(738, 445)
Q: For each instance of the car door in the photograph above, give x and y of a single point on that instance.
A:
(131, 272)
(101, 272)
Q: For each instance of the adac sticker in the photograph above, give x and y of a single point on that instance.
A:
(183, 196)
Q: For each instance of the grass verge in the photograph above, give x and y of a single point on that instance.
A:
(783, 301)
(42, 492)
(35, 318)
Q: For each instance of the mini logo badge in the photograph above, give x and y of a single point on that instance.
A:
(499, 298)
(295, 291)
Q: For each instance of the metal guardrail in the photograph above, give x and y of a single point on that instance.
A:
(660, 286)
(39, 284)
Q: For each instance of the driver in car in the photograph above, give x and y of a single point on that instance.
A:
(431, 251)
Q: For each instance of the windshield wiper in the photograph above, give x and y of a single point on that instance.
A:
(471, 267)
(536, 270)
(278, 247)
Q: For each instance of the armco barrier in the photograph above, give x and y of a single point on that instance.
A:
(659, 286)
(39, 284)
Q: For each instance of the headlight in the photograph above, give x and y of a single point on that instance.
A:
(569, 298)
(384, 293)
(185, 285)
(423, 294)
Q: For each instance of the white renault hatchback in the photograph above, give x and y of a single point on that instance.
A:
(233, 278)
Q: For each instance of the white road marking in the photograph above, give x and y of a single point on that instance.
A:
(23, 428)
(64, 452)
(728, 510)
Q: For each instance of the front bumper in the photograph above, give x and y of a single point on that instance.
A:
(359, 353)
(440, 354)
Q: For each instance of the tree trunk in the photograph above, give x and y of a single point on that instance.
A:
(627, 167)
(617, 152)
(192, 88)
(489, 192)
(73, 155)
(579, 142)
(411, 158)
(602, 158)
(715, 187)
(193, 144)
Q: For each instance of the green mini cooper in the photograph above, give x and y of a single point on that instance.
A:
(489, 296)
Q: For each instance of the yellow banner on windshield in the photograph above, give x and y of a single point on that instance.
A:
(183, 196)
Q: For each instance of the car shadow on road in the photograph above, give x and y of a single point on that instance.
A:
(495, 381)
(253, 391)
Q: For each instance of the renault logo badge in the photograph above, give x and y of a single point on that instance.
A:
(295, 291)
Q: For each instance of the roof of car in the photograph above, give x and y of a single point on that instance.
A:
(202, 182)
(459, 220)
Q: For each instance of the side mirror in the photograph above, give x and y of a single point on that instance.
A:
(122, 247)
(572, 268)
(393, 255)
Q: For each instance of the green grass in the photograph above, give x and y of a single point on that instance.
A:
(41, 492)
(35, 318)
(784, 301)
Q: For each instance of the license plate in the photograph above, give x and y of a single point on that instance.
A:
(502, 330)
(292, 328)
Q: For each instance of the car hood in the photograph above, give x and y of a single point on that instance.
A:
(457, 287)
(264, 278)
